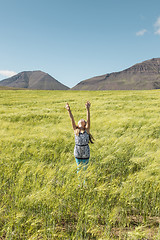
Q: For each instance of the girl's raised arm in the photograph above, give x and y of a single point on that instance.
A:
(71, 116)
(88, 115)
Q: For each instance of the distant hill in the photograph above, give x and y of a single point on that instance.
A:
(145, 75)
(33, 80)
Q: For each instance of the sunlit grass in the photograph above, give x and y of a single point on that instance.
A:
(40, 196)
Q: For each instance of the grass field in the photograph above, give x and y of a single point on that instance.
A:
(40, 196)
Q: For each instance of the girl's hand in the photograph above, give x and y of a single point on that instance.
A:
(87, 104)
(67, 107)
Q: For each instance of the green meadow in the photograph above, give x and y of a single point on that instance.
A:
(41, 196)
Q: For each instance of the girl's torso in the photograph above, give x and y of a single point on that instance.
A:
(81, 149)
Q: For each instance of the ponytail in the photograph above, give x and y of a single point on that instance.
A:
(91, 138)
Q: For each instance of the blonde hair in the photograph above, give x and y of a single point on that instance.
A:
(77, 131)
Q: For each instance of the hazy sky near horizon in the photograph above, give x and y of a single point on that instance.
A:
(74, 40)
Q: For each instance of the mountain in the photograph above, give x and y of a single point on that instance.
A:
(33, 80)
(141, 76)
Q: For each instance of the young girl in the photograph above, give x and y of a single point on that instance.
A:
(82, 138)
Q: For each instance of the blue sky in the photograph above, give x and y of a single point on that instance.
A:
(74, 40)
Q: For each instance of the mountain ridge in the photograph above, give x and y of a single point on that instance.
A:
(141, 76)
(33, 80)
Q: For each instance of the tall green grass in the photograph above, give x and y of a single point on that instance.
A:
(40, 193)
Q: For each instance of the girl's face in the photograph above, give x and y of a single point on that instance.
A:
(82, 123)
